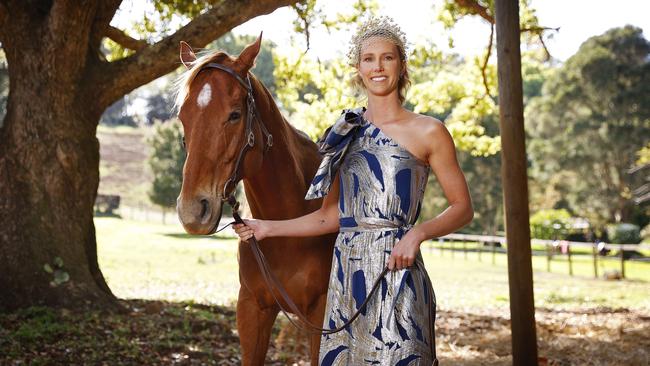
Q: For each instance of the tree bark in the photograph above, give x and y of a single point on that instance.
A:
(515, 184)
(49, 154)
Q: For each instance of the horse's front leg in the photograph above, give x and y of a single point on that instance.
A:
(254, 326)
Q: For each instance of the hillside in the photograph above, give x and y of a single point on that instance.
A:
(123, 165)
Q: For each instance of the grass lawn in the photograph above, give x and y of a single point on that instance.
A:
(152, 261)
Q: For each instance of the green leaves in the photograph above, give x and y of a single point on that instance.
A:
(589, 123)
(59, 275)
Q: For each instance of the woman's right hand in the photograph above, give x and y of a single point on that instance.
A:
(251, 227)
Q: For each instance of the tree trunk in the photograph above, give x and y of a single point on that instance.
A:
(49, 173)
(49, 154)
(515, 184)
(47, 190)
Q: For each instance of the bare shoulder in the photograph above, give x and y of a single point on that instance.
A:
(430, 129)
(429, 125)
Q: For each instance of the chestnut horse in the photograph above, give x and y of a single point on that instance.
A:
(213, 111)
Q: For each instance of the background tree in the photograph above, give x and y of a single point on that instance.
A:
(166, 162)
(589, 123)
(60, 84)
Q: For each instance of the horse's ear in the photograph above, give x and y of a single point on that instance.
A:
(187, 55)
(248, 55)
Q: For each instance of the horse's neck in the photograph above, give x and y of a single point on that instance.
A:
(277, 190)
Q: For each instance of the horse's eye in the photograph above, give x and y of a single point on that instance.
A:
(234, 116)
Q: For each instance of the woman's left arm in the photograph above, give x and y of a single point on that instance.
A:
(442, 159)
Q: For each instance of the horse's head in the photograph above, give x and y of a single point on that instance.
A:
(213, 111)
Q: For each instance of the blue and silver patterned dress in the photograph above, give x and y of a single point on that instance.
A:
(381, 190)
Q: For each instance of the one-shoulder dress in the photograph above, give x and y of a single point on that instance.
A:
(381, 190)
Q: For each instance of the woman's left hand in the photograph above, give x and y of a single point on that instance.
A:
(405, 250)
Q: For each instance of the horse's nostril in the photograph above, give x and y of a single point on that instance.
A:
(205, 208)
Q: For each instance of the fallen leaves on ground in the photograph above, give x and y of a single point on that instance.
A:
(167, 333)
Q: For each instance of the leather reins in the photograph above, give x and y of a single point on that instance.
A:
(269, 277)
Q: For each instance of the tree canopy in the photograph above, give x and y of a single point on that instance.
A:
(589, 124)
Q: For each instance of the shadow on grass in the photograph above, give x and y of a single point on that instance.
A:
(189, 236)
(107, 214)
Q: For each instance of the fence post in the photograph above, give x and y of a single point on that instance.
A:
(480, 249)
(494, 252)
(594, 251)
(441, 243)
(622, 261)
(548, 258)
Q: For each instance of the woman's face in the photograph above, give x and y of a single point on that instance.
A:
(379, 66)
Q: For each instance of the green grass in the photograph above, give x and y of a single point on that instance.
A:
(153, 261)
(582, 261)
(471, 284)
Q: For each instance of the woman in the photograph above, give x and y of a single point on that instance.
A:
(373, 175)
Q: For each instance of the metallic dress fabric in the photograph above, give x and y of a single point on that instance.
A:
(381, 190)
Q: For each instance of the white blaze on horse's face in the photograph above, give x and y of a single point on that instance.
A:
(204, 96)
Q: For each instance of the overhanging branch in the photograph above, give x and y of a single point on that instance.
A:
(105, 14)
(124, 40)
(120, 77)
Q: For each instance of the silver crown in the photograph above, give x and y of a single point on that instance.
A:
(382, 26)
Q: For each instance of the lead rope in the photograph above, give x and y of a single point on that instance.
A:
(308, 326)
(272, 282)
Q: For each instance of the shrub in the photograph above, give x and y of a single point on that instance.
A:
(550, 224)
(624, 233)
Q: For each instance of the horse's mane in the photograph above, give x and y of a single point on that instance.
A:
(182, 84)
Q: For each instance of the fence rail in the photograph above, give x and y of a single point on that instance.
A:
(551, 246)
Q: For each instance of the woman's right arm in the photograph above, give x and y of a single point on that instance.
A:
(322, 221)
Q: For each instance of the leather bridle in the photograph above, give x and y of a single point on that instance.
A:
(251, 116)
(228, 196)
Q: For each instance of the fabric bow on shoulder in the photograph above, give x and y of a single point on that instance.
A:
(333, 145)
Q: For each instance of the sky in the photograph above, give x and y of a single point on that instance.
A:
(577, 19)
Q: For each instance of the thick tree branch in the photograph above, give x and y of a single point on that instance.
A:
(67, 26)
(124, 40)
(105, 13)
(110, 81)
